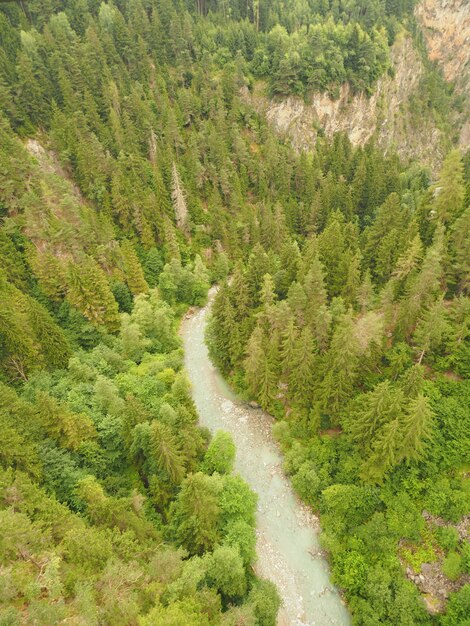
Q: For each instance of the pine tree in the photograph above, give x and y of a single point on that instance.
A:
(51, 338)
(353, 278)
(69, 429)
(409, 260)
(89, 292)
(152, 266)
(220, 332)
(386, 452)
(425, 286)
(416, 428)
(365, 293)
(133, 271)
(375, 409)
(288, 346)
(258, 267)
(19, 351)
(196, 513)
(267, 295)
(297, 300)
(32, 98)
(332, 254)
(290, 262)
(383, 239)
(267, 386)
(239, 294)
(12, 262)
(302, 373)
(172, 248)
(314, 288)
(449, 192)
(162, 207)
(412, 380)
(340, 367)
(256, 364)
(321, 330)
(359, 191)
(200, 270)
(431, 329)
(166, 452)
(459, 249)
(29, 337)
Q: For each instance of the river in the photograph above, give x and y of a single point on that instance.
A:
(287, 531)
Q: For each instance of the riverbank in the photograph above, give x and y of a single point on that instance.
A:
(287, 531)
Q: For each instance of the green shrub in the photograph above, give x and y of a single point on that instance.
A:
(447, 537)
(452, 565)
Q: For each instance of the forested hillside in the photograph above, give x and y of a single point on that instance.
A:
(306, 45)
(358, 341)
(132, 176)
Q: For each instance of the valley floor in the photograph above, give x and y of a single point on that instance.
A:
(288, 547)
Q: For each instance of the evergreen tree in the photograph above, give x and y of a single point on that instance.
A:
(179, 202)
(352, 284)
(430, 329)
(258, 267)
(416, 428)
(332, 255)
(365, 293)
(220, 330)
(196, 513)
(165, 451)
(267, 295)
(256, 365)
(449, 192)
(69, 429)
(376, 409)
(460, 252)
(288, 345)
(425, 286)
(385, 454)
(89, 292)
(302, 373)
(50, 273)
(314, 288)
(340, 367)
(267, 387)
(152, 266)
(297, 300)
(132, 269)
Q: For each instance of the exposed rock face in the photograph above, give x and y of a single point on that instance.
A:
(386, 114)
(50, 164)
(446, 27)
(179, 202)
(391, 114)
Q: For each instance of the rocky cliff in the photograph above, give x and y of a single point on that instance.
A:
(446, 28)
(394, 114)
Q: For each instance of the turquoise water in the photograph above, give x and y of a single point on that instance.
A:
(287, 531)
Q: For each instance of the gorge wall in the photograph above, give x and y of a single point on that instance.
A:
(394, 113)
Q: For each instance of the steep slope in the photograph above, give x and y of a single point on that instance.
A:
(402, 111)
(446, 28)
(388, 113)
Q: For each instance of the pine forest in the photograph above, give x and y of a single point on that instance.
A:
(139, 182)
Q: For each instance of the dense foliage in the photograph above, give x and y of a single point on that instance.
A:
(131, 177)
(312, 44)
(116, 508)
(351, 325)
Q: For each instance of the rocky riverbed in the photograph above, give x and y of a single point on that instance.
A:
(288, 549)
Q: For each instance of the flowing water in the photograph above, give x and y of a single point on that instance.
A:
(287, 531)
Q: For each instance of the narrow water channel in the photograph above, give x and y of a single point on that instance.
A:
(287, 531)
